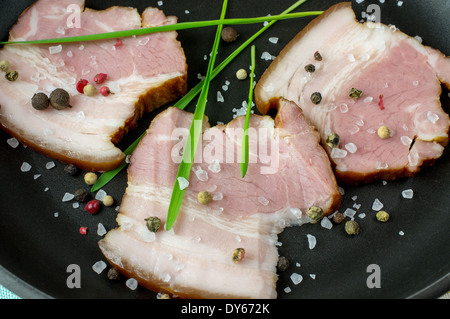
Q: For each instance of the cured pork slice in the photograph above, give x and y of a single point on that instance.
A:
(143, 73)
(400, 81)
(288, 173)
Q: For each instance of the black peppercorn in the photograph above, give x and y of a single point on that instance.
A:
(113, 273)
(81, 195)
(310, 68)
(317, 56)
(316, 97)
(40, 101)
(71, 169)
(229, 34)
(283, 263)
(60, 99)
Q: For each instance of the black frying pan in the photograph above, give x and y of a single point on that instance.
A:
(37, 247)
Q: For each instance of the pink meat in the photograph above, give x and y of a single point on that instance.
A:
(143, 72)
(400, 80)
(193, 259)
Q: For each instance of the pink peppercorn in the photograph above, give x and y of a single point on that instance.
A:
(83, 230)
(92, 207)
(81, 84)
(105, 91)
(100, 78)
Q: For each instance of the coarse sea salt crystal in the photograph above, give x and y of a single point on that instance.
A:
(432, 117)
(101, 230)
(311, 241)
(220, 97)
(267, 56)
(99, 266)
(408, 193)
(214, 166)
(349, 212)
(13, 142)
(100, 194)
(287, 290)
(262, 200)
(338, 153)
(55, 49)
(183, 182)
(351, 147)
(217, 196)
(406, 140)
(377, 205)
(132, 283)
(296, 278)
(201, 174)
(273, 40)
(68, 197)
(50, 165)
(326, 223)
(26, 167)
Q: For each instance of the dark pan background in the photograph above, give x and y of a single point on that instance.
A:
(37, 247)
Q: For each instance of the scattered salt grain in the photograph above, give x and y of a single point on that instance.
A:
(377, 205)
(273, 40)
(262, 200)
(338, 153)
(406, 140)
(368, 99)
(56, 214)
(201, 174)
(55, 49)
(214, 166)
(183, 182)
(287, 290)
(13, 142)
(101, 230)
(296, 278)
(267, 56)
(76, 205)
(217, 196)
(50, 165)
(349, 213)
(408, 193)
(68, 197)
(311, 241)
(362, 215)
(399, 3)
(99, 266)
(401, 233)
(36, 176)
(326, 223)
(220, 97)
(132, 283)
(432, 117)
(160, 3)
(100, 195)
(26, 167)
(313, 276)
(351, 147)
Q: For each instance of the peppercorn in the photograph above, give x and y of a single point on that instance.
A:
(238, 255)
(108, 200)
(89, 90)
(163, 296)
(105, 91)
(283, 263)
(382, 216)
(81, 84)
(310, 68)
(316, 98)
(317, 56)
(100, 78)
(315, 213)
(40, 101)
(241, 74)
(229, 34)
(204, 197)
(92, 207)
(4, 66)
(153, 223)
(333, 140)
(81, 195)
(384, 132)
(60, 99)
(352, 227)
(338, 218)
(90, 178)
(71, 169)
(113, 273)
(355, 94)
(11, 75)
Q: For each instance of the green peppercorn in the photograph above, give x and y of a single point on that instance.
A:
(310, 68)
(153, 223)
(382, 216)
(238, 255)
(316, 98)
(315, 213)
(333, 140)
(204, 197)
(60, 99)
(352, 227)
(11, 75)
(40, 101)
(4, 66)
(355, 94)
